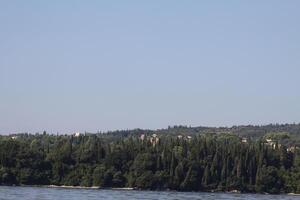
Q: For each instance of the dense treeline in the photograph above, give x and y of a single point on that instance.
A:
(218, 162)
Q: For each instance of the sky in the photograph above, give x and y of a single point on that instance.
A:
(68, 66)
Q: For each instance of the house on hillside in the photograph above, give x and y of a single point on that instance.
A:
(154, 139)
(14, 137)
(179, 136)
(77, 134)
(272, 143)
(189, 137)
(142, 137)
(292, 148)
(244, 140)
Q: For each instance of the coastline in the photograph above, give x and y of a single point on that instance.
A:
(77, 187)
(293, 194)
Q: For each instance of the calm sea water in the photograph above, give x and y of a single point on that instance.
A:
(39, 193)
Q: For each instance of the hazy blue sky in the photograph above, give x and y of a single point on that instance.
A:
(92, 65)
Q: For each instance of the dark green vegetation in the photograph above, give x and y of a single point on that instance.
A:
(244, 158)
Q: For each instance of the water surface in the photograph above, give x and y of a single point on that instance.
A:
(42, 193)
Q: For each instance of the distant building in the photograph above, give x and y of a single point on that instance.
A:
(154, 139)
(179, 136)
(269, 141)
(14, 137)
(184, 137)
(272, 143)
(292, 148)
(77, 134)
(244, 140)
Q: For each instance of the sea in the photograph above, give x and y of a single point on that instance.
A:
(45, 193)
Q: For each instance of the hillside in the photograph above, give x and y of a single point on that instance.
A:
(243, 158)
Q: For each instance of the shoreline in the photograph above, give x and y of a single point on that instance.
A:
(76, 187)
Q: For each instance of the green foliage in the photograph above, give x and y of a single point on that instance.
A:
(206, 161)
(268, 180)
(277, 135)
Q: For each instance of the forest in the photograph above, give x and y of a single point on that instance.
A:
(254, 159)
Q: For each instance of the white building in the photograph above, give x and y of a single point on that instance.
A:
(77, 134)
